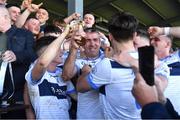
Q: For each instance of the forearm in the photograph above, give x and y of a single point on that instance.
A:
(30, 113)
(22, 18)
(175, 31)
(29, 110)
(68, 19)
(50, 53)
(82, 85)
(69, 66)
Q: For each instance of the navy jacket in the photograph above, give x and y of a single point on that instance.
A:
(21, 42)
(158, 111)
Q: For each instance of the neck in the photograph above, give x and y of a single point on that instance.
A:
(162, 54)
(124, 47)
(42, 23)
(12, 22)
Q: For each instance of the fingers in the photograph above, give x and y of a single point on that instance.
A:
(39, 5)
(138, 78)
(9, 56)
(74, 44)
(34, 7)
(76, 15)
(86, 68)
(155, 31)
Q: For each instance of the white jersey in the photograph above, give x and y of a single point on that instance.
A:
(49, 95)
(173, 89)
(115, 82)
(88, 106)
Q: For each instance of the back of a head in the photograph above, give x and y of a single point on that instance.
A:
(31, 21)
(142, 32)
(122, 26)
(90, 30)
(52, 29)
(12, 5)
(43, 42)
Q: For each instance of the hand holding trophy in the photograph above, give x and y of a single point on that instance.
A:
(76, 29)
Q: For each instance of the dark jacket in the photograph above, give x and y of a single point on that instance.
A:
(21, 42)
(156, 110)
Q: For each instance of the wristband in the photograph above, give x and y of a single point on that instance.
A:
(166, 30)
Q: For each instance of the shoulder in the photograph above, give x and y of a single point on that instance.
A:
(105, 62)
(162, 69)
(102, 67)
(23, 31)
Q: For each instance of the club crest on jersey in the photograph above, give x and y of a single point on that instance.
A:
(94, 70)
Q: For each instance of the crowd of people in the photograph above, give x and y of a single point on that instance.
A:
(70, 70)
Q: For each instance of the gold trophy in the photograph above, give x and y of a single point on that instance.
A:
(76, 26)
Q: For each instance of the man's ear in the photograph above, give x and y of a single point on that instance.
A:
(110, 37)
(168, 44)
(47, 18)
(134, 35)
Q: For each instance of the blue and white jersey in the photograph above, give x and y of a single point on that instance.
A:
(88, 106)
(49, 95)
(173, 90)
(162, 70)
(115, 82)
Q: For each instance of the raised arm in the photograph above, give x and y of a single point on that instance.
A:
(23, 17)
(69, 69)
(75, 16)
(30, 114)
(48, 55)
(156, 31)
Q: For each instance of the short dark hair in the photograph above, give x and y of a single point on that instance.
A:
(142, 32)
(122, 26)
(42, 7)
(12, 5)
(52, 29)
(42, 42)
(91, 29)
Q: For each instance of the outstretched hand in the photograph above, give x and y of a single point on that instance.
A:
(34, 7)
(25, 4)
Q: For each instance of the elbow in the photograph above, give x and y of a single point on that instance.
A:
(65, 77)
(42, 63)
(79, 89)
